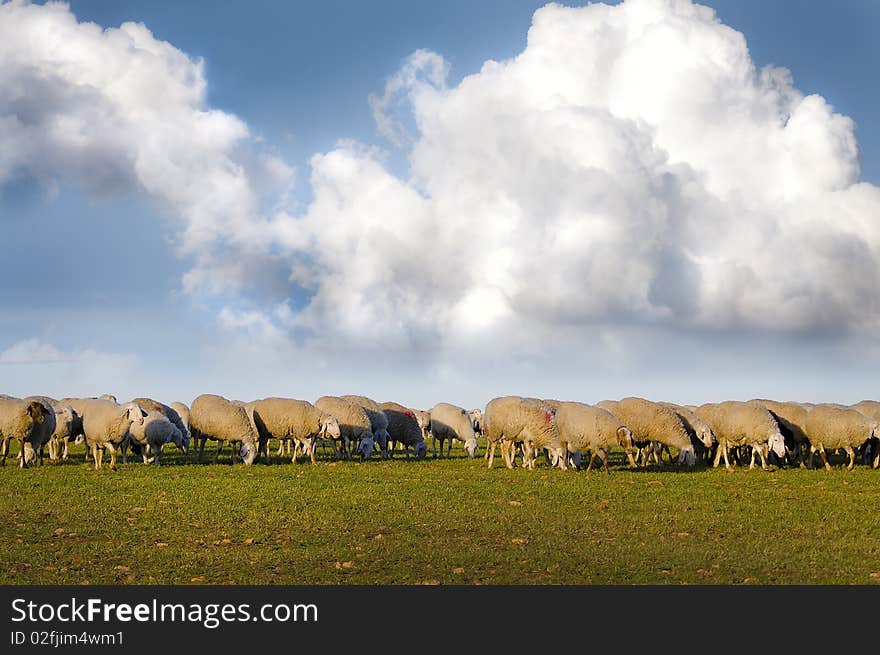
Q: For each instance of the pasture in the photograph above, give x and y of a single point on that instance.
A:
(448, 521)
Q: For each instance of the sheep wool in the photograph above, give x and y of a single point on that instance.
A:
(106, 425)
(586, 427)
(23, 420)
(378, 420)
(214, 417)
(450, 422)
(832, 427)
(737, 423)
(511, 419)
(288, 419)
(653, 423)
(354, 422)
(156, 430)
(404, 429)
(150, 405)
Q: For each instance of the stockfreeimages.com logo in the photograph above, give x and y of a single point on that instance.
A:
(209, 615)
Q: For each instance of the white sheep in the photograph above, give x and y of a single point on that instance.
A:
(378, 420)
(287, 419)
(27, 421)
(585, 427)
(150, 405)
(155, 431)
(512, 419)
(354, 425)
(737, 423)
(833, 427)
(450, 422)
(106, 426)
(404, 429)
(214, 417)
(656, 424)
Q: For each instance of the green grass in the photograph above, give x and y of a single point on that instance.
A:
(435, 521)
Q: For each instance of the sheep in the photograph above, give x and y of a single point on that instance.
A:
(476, 417)
(586, 427)
(106, 426)
(653, 423)
(214, 417)
(108, 396)
(68, 425)
(404, 429)
(451, 422)
(423, 418)
(155, 431)
(737, 423)
(26, 421)
(294, 420)
(150, 405)
(354, 425)
(182, 411)
(791, 418)
(378, 420)
(43, 433)
(511, 419)
(871, 449)
(833, 427)
(699, 431)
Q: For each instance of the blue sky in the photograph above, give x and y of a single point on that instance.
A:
(125, 282)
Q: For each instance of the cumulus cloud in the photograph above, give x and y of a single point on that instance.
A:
(117, 110)
(35, 367)
(631, 167)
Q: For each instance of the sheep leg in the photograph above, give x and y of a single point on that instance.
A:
(824, 457)
(98, 455)
(592, 459)
(280, 450)
(717, 456)
(156, 450)
(311, 446)
(726, 460)
(201, 448)
(112, 450)
(490, 453)
(434, 445)
(763, 451)
(53, 449)
(65, 453)
(852, 458)
(752, 463)
(629, 456)
(219, 447)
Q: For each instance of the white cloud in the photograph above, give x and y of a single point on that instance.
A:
(34, 367)
(631, 167)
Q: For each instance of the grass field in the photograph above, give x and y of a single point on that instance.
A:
(435, 521)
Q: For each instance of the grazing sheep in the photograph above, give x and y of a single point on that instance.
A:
(449, 422)
(833, 427)
(586, 427)
(155, 431)
(871, 449)
(404, 429)
(106, 426)
(68, 425)
(698, 430)
(653, 423)
(424, 420)
(354, 425)
(150, 405)
(737, 423)
(214, 417)
(378, 420)
(183, 412)
(299, 421)
(26, 421)
(512, 419)
(791, 418)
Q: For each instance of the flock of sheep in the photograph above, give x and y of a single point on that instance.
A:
(774, 432)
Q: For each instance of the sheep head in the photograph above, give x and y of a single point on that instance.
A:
(776, 443)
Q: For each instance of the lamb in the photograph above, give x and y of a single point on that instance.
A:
(24, 420)
(586, 427)
(511, 419)
(791, 418)
(831, 427)
(451, 422)
(288, 420)
(404, 429)
(155, 431)
(354, 425)
(106, 426)
(214, 417)
(378, 420)
(737, 423)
